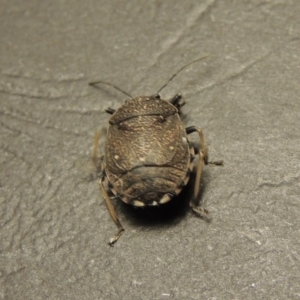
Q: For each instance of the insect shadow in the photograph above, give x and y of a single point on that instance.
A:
(170, 214)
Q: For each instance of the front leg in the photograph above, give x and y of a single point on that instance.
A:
(95, 156)
(177, 101)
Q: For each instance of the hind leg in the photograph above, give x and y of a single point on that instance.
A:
(203, 159)
(104, 193)
(112, 213)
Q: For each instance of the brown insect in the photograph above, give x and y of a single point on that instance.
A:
(148, 157)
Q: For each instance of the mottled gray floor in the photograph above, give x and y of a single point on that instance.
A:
(53, 223)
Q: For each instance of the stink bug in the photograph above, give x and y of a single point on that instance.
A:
(148, 157)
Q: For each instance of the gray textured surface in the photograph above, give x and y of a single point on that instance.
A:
(54, 224)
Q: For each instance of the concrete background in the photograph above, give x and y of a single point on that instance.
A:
(53, 223)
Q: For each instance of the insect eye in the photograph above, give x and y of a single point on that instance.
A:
(157, 96)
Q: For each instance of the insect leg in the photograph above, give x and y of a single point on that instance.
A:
(112, 212)
(203, 158)
(95, 148)
(192, 129)
(177, 101)
(106, 197)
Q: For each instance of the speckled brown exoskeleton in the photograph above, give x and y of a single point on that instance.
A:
(148, 157)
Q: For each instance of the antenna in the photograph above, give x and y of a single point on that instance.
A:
(174, 75)
(94, 84)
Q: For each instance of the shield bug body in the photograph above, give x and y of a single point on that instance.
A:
(148, 157)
